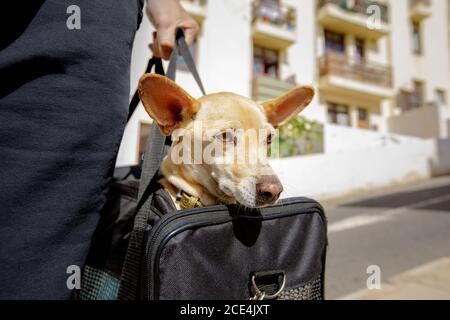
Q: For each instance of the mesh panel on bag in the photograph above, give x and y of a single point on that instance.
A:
(309, 291)
(98, 285)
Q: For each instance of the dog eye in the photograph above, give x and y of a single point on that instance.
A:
(227, 137)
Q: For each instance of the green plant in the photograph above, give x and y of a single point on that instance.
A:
(299, 136)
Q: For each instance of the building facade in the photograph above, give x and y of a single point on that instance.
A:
(379, 67)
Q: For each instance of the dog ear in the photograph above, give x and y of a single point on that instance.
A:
(168, 104)
(282, 109)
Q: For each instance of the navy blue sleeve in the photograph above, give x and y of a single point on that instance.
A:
(63, 106)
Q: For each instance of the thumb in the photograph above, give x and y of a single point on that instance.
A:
(190, 34)
(166, 41)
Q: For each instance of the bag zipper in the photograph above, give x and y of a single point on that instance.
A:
(204, 218)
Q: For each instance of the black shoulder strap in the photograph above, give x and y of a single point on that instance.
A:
(155, 151)
(157, 63)
(157, 144)
(183, 50)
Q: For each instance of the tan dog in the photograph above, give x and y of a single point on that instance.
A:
(208, 175)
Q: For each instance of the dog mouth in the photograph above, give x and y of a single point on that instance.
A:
(259, 204)
(253, 193)
(255, 206)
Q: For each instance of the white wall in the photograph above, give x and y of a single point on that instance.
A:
(424, 122)
(339, 173)
(226, 63)
(433, 65)
(441, 165)
(302, 55)
(340, 138)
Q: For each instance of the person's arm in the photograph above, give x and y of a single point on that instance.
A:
(166, 16)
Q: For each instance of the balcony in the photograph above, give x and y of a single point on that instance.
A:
(409, 100)
(344, 77)
(273, 25)
(354, 17)
(265, 87)
(419, 9)
(424, 121)
(196, 8)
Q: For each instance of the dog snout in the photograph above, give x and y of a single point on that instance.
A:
(268, 190)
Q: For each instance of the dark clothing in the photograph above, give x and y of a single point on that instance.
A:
(63, 107)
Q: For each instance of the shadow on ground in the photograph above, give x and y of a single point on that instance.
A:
(402, 199)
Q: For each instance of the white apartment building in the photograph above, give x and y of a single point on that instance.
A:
(379, 67)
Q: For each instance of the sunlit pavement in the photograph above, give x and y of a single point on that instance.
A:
(402, 230)
(430, 281)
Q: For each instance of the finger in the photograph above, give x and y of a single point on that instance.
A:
(154, 46)
(166, 41)
(190, 33)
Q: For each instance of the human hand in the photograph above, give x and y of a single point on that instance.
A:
(167, 16)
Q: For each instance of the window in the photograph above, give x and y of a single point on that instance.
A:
(360, 50)
(291, 19)
(269, 11)
(363, 119)
(404, 100)
(334, 42)
(418, 96)
(416, 38)
(265, 61)
(408, 100)
(338, 114)
(441, 97)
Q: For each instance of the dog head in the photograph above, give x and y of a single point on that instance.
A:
(220, 141)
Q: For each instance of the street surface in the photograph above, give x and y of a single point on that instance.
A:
(398, 229)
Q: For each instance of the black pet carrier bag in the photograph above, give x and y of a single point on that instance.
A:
(145, 249)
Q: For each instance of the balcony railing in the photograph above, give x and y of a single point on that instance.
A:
(409, 100)
(359, 6)
(265, 87)
(274, 14)
(335, 64)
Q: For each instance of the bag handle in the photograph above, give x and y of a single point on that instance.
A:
(155, 151)
(157, 63)
(181, 48)
(156, 147)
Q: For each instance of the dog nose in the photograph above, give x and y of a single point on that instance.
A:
(268, 190)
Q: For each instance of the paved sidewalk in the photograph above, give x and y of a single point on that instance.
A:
(428, 282)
